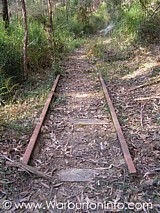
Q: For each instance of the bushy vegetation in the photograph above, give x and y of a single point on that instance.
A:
(10, 55)
(136, 21)
(130, 22)
(84, 22)
(11, 44)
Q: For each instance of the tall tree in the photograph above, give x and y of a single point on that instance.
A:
(25, 42)
(50, 13)
(17, 6)
(5, 13)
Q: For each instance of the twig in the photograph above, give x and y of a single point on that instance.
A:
(144, 6)
(156, 11)
(154, 171)
(141, 115)
(146, 98)
(155, 81)
(5, 181)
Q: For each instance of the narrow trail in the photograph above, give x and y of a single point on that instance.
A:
(78, 139)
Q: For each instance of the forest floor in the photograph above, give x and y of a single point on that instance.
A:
(78, 146)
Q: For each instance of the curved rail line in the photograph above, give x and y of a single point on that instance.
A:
(124, 146)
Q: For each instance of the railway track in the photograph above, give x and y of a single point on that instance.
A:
(76, 142)
(34, 137)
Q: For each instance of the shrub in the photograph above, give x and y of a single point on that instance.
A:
(7, 88)
(10, 54)
(128, 24)
(149, 30)
(79, 25)
(39, 50)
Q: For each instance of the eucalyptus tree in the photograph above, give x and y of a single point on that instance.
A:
(5, 13)
(25, 42)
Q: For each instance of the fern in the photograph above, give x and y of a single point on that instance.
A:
(7, 89)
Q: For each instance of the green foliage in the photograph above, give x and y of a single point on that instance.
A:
(82, 21)
(129, 23)
(64, 41)
(7, 88)
(11, 44)
(136, 21)
(38, 48)
(95, 23)
(36, 11)
(61, 39)
(10, 54)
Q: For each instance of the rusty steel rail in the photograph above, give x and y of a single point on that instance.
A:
(124, 146)
(34, 137)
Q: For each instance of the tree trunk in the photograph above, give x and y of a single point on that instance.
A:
(17, 6)
(50, 13)
(24, 14)
(5, 13)
(67, 9)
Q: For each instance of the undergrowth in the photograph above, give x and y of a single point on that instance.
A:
(128, 25)
(20, 114)
(44, 49)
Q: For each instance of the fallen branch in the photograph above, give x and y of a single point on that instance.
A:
(29, 169)
(26, 168)
(155, 81)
